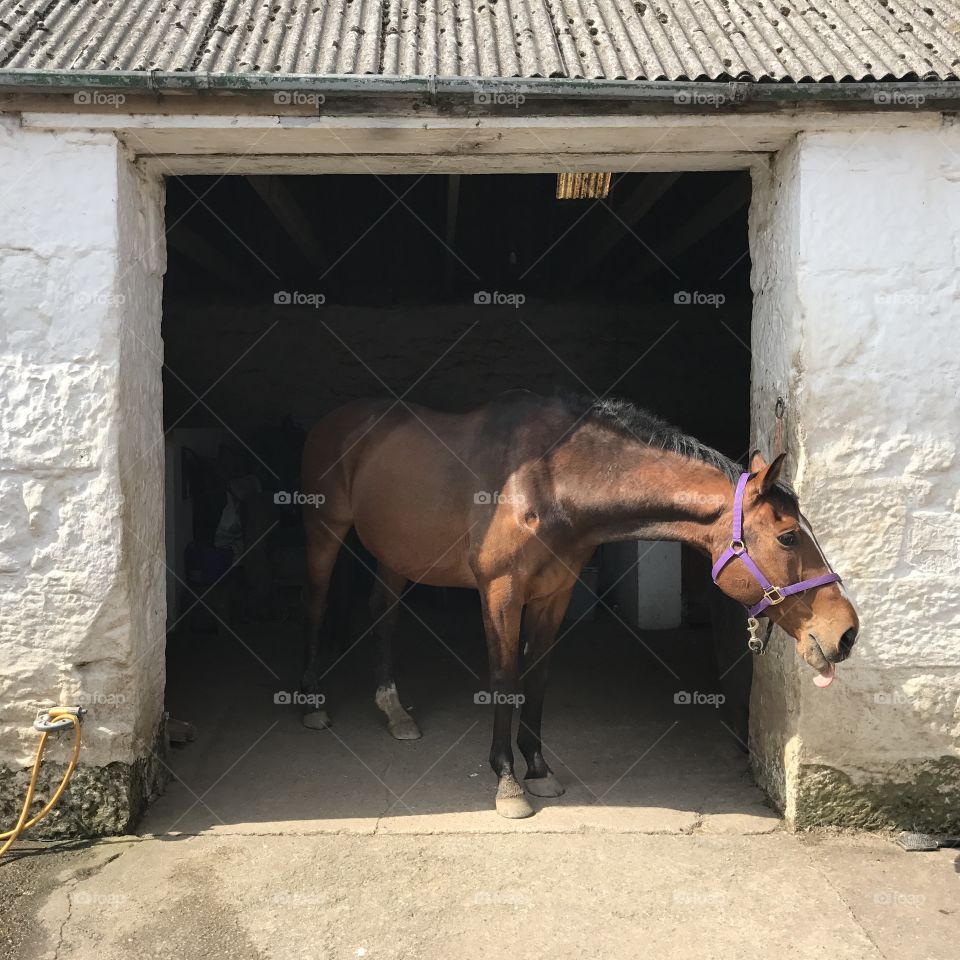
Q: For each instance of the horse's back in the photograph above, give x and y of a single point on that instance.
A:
(416, 483)
(334, 437)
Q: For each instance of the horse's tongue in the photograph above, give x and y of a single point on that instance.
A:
(825, 677)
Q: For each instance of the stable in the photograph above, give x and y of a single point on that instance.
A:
(220, 230)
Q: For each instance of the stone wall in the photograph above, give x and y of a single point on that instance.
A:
(856, 253)
(81, 507)
(304, 362)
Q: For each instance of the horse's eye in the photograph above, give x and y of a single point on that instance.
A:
(789, 539)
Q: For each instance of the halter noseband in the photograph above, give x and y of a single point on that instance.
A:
(771, 595)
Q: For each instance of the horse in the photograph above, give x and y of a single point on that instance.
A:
(511, 499)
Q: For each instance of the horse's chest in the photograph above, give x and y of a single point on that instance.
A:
(518, 545)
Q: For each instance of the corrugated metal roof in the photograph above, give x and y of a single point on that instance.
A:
(819, 40)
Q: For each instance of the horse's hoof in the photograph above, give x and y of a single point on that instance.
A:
(404, 730)
(548, 786)
(514, 808)
(317, 720)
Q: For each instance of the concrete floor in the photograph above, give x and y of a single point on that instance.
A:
(630, 757)
(530, 895)
(277, 841)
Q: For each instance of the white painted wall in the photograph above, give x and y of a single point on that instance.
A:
(856, 248)
(81, 452)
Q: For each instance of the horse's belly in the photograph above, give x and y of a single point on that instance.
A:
(420, 555)
(412, 526)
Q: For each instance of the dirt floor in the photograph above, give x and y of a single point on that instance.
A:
(275, 841)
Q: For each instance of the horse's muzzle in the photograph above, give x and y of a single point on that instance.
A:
(844, 646)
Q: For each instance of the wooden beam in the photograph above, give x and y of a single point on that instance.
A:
(201, 252)
(279, 164)
(723, 206)
(450, 234)
(622, 217)
(282, 204)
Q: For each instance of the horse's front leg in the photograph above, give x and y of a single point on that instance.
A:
(544, 617)
(501, 620)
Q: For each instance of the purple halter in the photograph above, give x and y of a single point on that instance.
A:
(771, 595)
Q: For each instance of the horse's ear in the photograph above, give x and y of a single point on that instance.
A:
(767, 474)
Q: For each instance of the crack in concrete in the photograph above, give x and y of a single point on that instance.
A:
(426, 832)
(849, 910)
(65, 920)
(81, 875)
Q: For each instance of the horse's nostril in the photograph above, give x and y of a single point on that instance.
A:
(848, 640)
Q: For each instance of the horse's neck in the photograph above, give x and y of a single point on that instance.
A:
(635, 492)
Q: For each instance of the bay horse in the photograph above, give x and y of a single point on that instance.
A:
(511, 499)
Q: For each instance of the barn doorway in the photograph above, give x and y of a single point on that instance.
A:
(288, 296)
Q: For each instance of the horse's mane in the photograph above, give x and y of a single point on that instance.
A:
(631, 420)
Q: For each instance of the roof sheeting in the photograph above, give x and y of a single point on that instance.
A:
(819, 40)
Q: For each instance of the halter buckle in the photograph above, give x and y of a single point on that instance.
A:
(774, 596)
(738, 547)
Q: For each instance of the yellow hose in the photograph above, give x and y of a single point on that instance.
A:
(23, 823)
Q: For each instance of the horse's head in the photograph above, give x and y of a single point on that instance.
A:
(777, 540)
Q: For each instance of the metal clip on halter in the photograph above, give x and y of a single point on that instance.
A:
(57, 718)
(756, 643)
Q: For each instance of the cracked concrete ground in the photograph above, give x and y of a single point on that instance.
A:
(518, 896)
(281, 842)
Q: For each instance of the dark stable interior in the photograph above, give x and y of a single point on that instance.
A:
(288, 296)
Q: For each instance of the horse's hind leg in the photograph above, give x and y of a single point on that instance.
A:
(323, 545)
(544, 617)
(385, 610)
